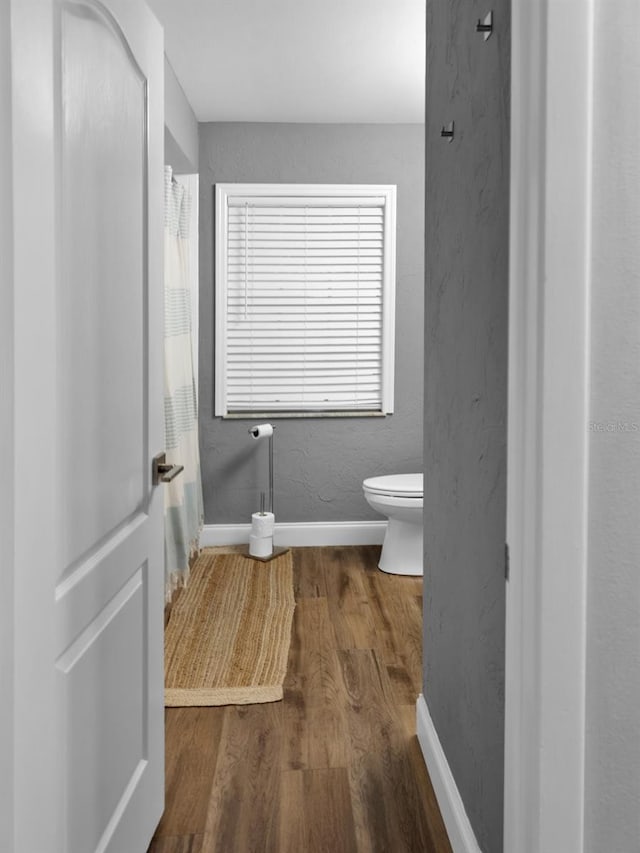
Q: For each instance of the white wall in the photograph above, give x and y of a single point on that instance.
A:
(180, 126)
(612, 808)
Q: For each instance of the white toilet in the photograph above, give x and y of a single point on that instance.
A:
(399, 496)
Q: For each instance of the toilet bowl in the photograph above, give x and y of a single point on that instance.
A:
(399, 497)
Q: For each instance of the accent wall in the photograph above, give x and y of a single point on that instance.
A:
(466, 325)
(320, 462)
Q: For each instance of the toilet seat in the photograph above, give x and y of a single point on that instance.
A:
(395, 485)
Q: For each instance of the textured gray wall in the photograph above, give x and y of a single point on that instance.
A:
(320, 462)
(466, 314)
(612, 817)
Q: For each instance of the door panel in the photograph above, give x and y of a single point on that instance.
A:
(87, 106)
(105, 695)
(103, 281)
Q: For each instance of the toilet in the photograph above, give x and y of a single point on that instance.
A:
(398, 496)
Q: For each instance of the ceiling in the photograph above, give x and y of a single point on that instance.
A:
(298, 60)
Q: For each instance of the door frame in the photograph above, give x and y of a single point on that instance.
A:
(548, 437)
(35, 751)
(6, 437)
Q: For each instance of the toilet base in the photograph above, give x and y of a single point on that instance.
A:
(402, 549)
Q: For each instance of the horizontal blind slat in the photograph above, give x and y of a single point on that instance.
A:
(367, 290)
(318, 203)
(345, 404)
(286, 333)
(315, 358)
(319, 277)
(311, 249)
(344, 352)
(342, 368)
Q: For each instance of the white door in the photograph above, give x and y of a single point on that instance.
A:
(87, 120)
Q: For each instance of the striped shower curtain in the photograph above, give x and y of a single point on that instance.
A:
(183, 495)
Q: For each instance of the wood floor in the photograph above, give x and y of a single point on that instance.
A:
(336, 765)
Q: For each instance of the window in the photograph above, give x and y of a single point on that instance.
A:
(305, 293)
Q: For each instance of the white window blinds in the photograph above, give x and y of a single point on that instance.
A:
(304, 299)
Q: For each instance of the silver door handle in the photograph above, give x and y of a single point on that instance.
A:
(163, 471)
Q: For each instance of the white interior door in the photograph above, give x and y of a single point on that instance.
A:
(87, 114)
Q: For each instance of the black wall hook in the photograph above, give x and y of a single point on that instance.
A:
(485, 26)
(448, 131)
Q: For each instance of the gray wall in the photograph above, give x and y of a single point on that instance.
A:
(320, 462)
(7, 542)
(612, 815)
(466, 323)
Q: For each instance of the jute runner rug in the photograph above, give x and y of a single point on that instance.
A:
(228, 635)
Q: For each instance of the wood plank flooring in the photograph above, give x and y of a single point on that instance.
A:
(336, 765)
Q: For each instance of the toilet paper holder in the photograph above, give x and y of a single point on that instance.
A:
(257, 432)
(266, 431)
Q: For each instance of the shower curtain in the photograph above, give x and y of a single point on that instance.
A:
(183, 495)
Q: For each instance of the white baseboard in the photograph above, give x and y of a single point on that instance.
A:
(300, 534)
(452, 808)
